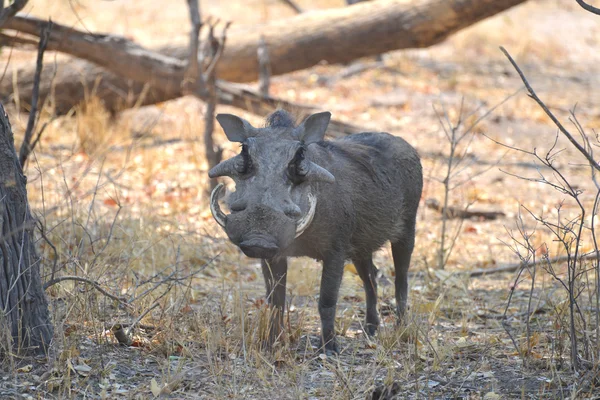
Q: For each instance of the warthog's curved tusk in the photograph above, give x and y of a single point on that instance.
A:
(305, 221)
(215, 209)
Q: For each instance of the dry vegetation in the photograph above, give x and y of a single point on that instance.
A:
(122, 202)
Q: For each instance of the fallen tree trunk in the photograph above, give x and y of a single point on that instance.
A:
(334, 35)
(146, 69)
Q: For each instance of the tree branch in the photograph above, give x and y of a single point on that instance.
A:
(549, 113)
(26, 147)
(587, 7)
(10, 11)
(291, 4)
(264, 67)
(516, 266)
(95, 284)
(194, 82)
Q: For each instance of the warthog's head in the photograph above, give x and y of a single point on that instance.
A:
(274, 201)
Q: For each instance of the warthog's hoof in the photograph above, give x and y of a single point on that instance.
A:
(330, 348)
(371, 329)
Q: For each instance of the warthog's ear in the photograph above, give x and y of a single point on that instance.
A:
(313, 129)
(237, 129)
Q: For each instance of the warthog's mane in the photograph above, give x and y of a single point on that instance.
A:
(280, 119)
(357, 153)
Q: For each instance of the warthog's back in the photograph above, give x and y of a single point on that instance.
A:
(378, 186)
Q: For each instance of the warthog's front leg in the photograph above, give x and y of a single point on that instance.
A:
(275, 273)
(331, 279)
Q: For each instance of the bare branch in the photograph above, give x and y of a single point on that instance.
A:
(10, 11)
(455, 212)
(194, 82)
(26, 147)
(587, 7)
(549, 113)
(142, 315)
(95, 284)
(264, 67)
(292, 4)
(516, 266)
(217, 46)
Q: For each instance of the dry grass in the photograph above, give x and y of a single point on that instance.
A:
(122, 203)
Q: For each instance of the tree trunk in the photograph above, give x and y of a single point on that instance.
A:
(24, 317)
(335, 35)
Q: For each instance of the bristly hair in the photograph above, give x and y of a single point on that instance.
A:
(357, 153)
(280, 119)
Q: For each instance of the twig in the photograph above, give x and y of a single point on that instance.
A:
(454, 212)
(138, 319)
(10, 11)
(293, 6)
(26, 146)
(42, 229)
(217, 47)
(516, 266)
(264, 67)
(587, 7)
(169, 278)
(549, 113)
(193, 75)
(213, 153)
(352, 70)
(203, 84)
(124, 336)
(95, 284)
(40, 132)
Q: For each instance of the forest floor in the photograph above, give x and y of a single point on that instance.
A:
(123, 203)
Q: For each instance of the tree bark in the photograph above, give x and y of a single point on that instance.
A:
(335, 35)
(23, 307)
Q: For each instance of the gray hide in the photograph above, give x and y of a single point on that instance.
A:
(299, 195)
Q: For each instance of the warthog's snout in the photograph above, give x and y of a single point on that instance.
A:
(259, 246)
(259, 230)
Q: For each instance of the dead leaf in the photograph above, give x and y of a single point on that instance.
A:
(82, 369)
(491, 396)
(154, 388)
(470, 229)
(26, 368)
(110, 202)
(351, 268)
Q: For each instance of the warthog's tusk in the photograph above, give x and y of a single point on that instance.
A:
(215, 209)
(305, 221)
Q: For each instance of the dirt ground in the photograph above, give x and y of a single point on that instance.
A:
(123, 203)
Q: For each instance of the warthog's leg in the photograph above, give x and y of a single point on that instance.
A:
(368, 273)
(331, 279)
(401, 252)
(275, 273)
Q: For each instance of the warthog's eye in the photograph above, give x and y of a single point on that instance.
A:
(296, 170)
(245, 164)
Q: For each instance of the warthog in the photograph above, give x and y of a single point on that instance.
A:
(300, 195)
